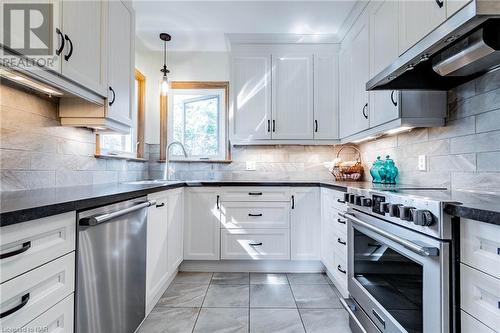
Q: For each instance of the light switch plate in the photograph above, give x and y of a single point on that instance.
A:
(250, 165)
(422, 163)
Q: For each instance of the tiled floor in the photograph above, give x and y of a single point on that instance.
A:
(248, 302)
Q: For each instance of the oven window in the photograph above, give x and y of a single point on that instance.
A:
(392, 279)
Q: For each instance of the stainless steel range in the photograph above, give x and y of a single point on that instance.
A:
(399, 254)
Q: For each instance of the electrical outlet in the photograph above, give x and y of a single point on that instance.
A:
(250, 165)
(422, 163)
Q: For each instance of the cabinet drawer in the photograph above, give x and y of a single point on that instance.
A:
(256, 194)
(480, 295)
(480, 246)
(40, 289)
(255, 215)
(340, 272)
(43, 240)
(59, 318)
(338, 201)
(470, 324)
(339, 222)
(255, 244)
(341, 246)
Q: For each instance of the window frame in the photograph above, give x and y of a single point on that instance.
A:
(166, 136)
(137, 129)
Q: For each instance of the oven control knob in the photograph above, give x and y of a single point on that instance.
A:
(394, 210)
(423, 217)
(346, 197)
(359, 199)
(351, 198)
(384, 207)
(405, 213)
(366, 202)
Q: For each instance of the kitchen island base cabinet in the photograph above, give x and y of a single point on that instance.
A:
(202, 224)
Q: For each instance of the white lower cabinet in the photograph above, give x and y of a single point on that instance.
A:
(202, 224)
(57, 319)
(175, 229)
(29, 295)
(255, 244)
(305, 225)
(470, 324)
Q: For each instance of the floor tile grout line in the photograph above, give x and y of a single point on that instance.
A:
(202, 302)
(297, 306)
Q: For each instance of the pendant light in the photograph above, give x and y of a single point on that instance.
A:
(164, 82)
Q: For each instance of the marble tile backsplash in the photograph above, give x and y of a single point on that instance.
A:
(36, 152)
(465, 154)
(271, 163)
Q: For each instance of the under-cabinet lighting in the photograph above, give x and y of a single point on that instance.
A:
(398, 130)
(29, 82)
(364, 139)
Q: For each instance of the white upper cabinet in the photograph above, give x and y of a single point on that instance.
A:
(121, 77)
(417, 19)
(326, 97)
(84, 55)
(346, 116)
(292, 96)
(305, 225)
(251, 74)
(384, 25)
(202, 224)
(453, 6)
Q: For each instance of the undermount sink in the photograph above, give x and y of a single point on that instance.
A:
(148, 182)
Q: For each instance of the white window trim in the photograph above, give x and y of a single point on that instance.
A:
(222, 119)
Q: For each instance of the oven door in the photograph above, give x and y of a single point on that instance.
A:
(399, 277)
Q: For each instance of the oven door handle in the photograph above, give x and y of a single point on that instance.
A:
(427, 251)
(350, 311)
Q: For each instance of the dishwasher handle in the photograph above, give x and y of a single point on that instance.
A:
(94, 220)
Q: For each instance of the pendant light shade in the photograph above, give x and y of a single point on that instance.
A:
(164, 82)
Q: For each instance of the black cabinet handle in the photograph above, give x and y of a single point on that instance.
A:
(440, 3)
(274, 125)
(254, 215)
(365, 114)
(254, 193)
(341, 201)
(269, 125)
(341, 241)
(26, 246)
(255, 244)
(293, 201)
(392, 98)
(340, 269)
(24, 301)
(114, 96)
(218, 201)
(316, 126)
(61, 45)
(340, 221)
(67, 56)
(160, 205)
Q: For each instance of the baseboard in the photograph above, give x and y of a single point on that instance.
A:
(255, 266)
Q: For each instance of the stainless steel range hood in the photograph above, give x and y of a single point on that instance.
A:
(464, 47)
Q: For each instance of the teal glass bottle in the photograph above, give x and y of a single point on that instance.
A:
(391, 171)
(375, 170)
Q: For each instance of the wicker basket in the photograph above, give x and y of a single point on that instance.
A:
(353, 171)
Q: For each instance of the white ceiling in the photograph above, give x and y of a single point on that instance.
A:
(206, 25)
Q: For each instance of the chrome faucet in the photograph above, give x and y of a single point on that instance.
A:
(167, 155)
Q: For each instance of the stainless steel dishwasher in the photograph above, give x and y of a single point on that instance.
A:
(111, 278)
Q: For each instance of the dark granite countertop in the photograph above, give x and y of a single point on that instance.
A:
(21, 206)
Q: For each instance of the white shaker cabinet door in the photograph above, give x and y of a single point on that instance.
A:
(175, 239)
(346, 116)
(417, 19)
(202, 224)
(292, 96)
(305, 225)
(251, 97)
(121, 77)
(384, 41)
(84, 54)
(326, 74)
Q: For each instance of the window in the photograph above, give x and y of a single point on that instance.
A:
(197, 119)
(129, 145)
